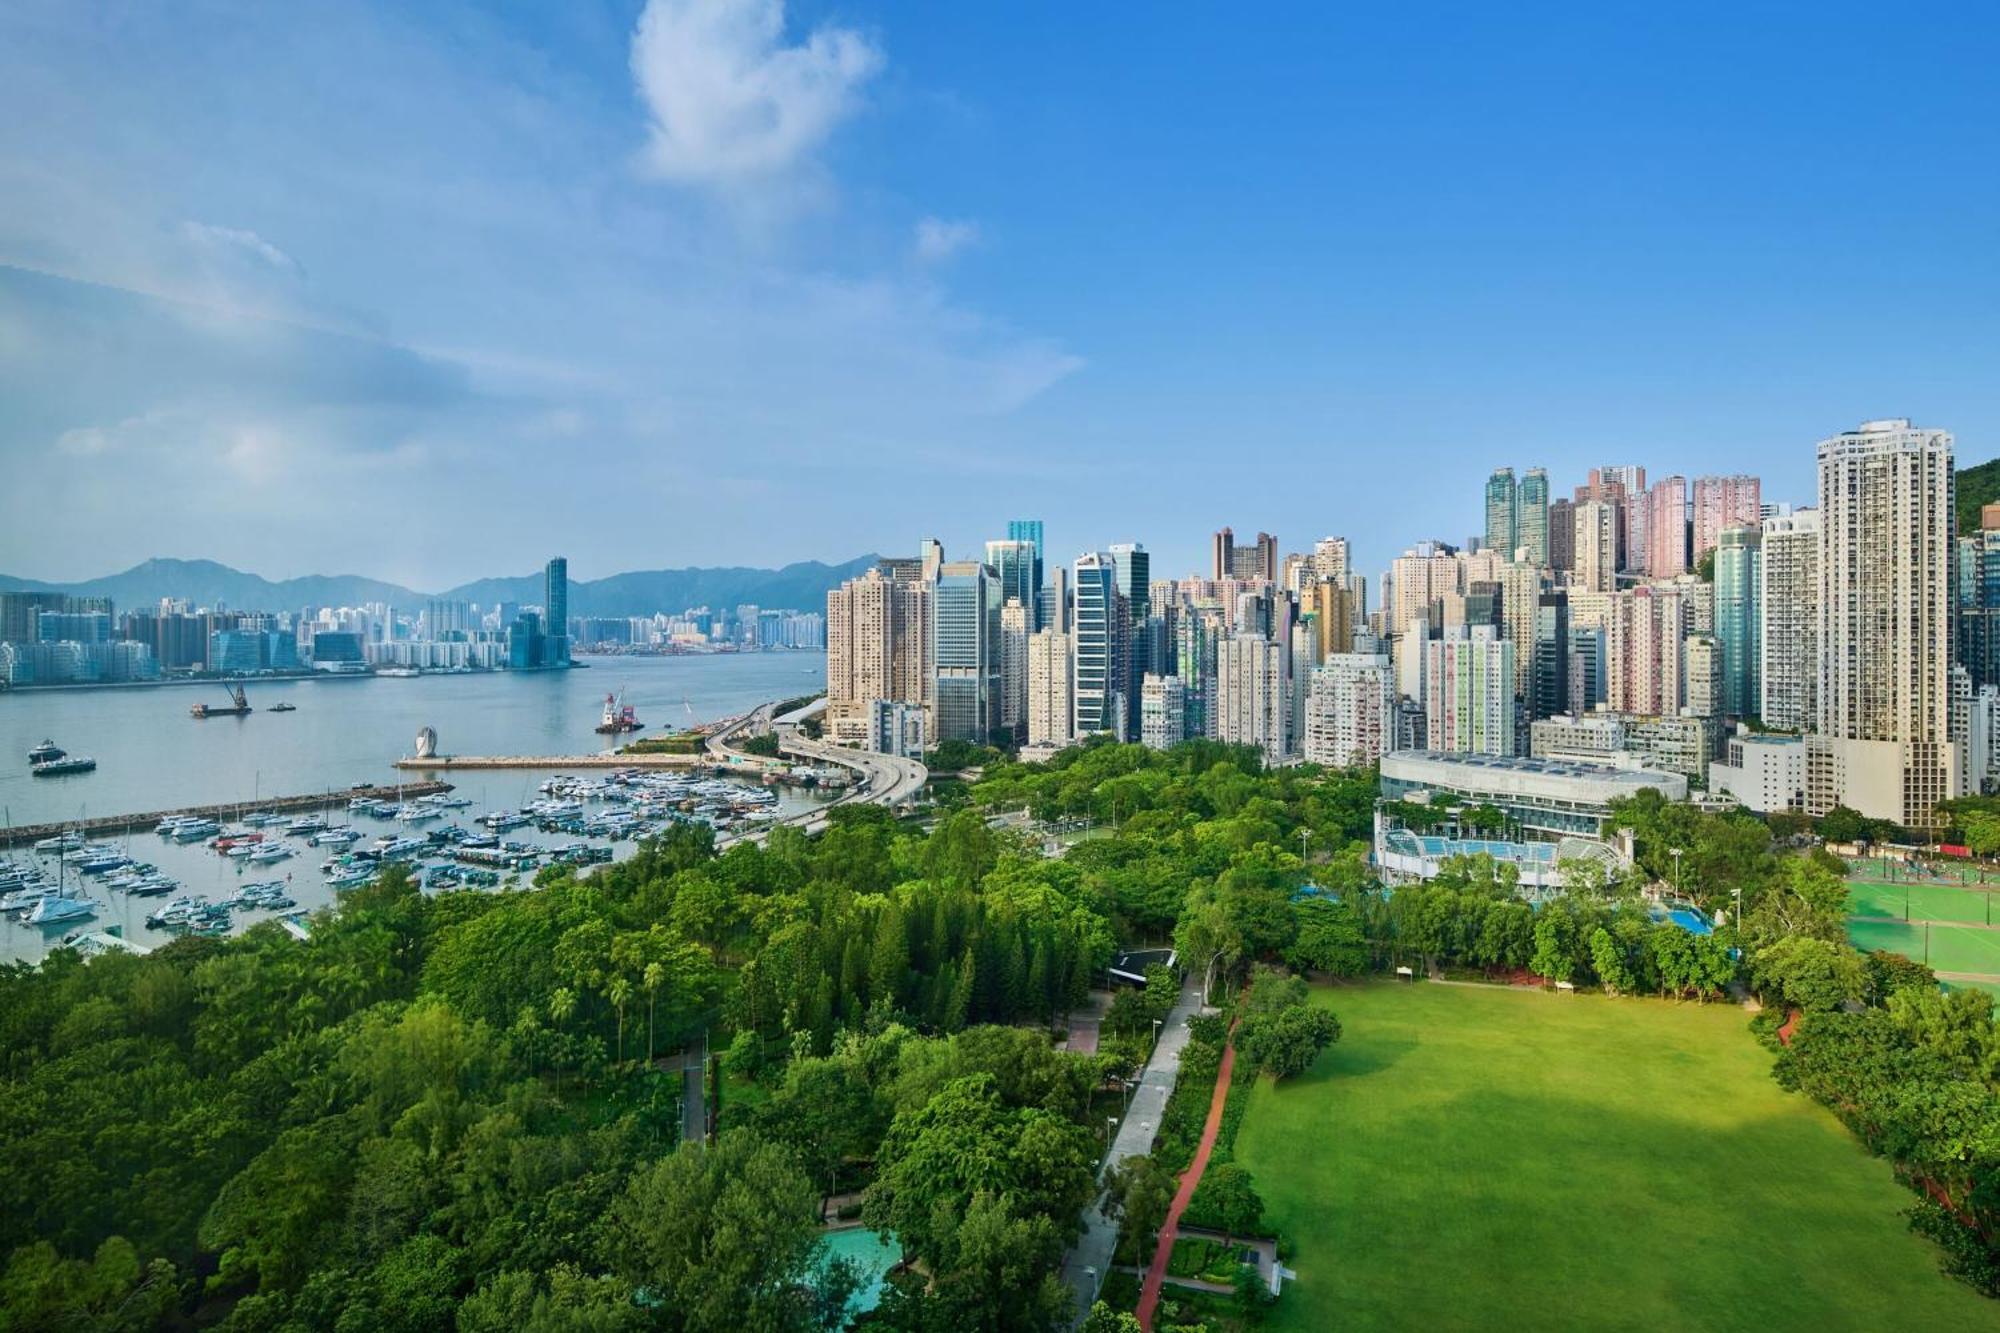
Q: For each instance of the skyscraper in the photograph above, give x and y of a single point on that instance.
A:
(1977, 595)
(1030, 530)
(1097, 701)
(1738, 621)
(1531, 527)
(1133, 579)
(555, 608)
(1017, 572)
(1723, 502)
(1788, 600)
(1503, 500)
(1883, 745)
(965, 652)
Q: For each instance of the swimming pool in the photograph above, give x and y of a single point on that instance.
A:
(871, 1255)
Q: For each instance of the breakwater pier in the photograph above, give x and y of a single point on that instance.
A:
(111, 824)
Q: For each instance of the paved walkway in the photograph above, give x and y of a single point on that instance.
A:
(1087, 1262)
(1149, 1294)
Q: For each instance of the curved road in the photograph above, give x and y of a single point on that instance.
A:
(880, 779)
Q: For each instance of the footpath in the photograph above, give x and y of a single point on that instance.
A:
(1156, 1273)
(1087, 1262)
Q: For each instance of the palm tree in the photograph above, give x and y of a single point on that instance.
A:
(655, 977)
(618, 992)
(562, 1004)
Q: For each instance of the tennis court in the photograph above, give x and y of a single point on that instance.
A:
(1920, 902)
(1942, 948)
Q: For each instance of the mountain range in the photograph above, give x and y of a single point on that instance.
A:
(800, 586)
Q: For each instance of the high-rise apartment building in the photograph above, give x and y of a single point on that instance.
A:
(1596, 549)
(1521, 585)
(1531, 524)
(1788, 601)
(1723, 502)
(1251, 705)
(1883, 743)
(1050, 721)
(1162, 712)
(1562, 535)
(1247, 564)
(1739, 566)
(1329, 559)
(1503, 500)
(1469, 693)
(1013, 705)
(1350, 710)
(1666, 527)
(1644, 628)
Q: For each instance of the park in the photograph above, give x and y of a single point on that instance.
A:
(1472, 1155)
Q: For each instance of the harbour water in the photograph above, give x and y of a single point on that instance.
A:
(151, 755)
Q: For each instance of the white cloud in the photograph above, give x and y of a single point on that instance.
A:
(728, 100)
(938, 239)
(241, 241)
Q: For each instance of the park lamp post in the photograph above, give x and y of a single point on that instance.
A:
(1110, 1126)
(1304, 834)
(1675, 852)
(1156, 1038)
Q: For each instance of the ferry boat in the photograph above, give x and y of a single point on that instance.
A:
(56, 768)
(44, 752)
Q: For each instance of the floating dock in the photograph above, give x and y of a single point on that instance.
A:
(91, 828)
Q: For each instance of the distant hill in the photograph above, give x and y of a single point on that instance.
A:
(207, 583)
(1977, 486)
(802, 586)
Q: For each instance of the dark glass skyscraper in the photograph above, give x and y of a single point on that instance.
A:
(555, 612)
(1030, 530)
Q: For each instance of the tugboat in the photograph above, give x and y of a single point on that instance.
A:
(56, 768)
(44, 752)
(238, 706)
(617, 718)
(282, 708)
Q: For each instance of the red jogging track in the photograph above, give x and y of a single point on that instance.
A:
(1156, 1273)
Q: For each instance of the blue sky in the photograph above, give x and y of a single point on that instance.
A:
(426, 291)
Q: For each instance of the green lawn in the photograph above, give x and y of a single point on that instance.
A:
(1473, 1157)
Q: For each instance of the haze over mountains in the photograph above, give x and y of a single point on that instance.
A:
(800, 586)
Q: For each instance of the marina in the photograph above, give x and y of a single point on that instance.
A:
(189, 872)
